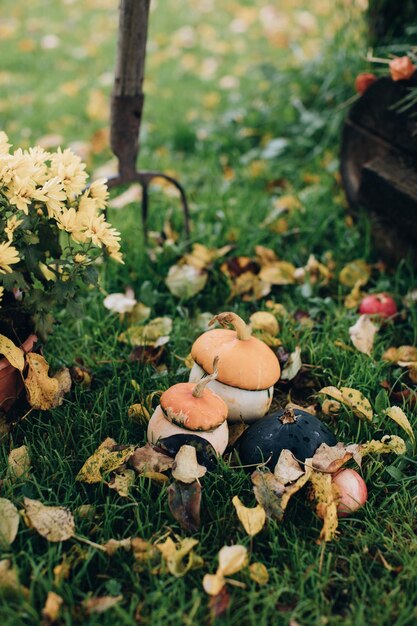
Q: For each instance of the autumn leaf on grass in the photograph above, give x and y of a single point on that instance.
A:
(355, 271)
(50, 611)
(113, 545)
(353, 399)
(398, 415)
(147, 459)
(278, 273)
(259, 573)
(268, 493)
(43, 391)
(18, 463)
(264, 322)
(55, 523)
(293, 365)
(219, 603)
(101, 604)
(107, 458)
(326, 496)
(202, 257)
(180, 557)
(186, 468)
(362, 334)
(184, 501)
(9, 523)
(355, 297)
(119, 303)
(252, 519)
(287, 470)
(13, 354)
(329, 459)
(9, 580)
(122, 481)
(155, 333)
(232, 559)
(185, 281)
(403, 354)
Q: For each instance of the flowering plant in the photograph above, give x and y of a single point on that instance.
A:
(52, 229)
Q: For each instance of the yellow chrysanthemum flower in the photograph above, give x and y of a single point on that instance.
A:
(69, 168)
(8, 257)
(11, 225)
(4, 143)
(20, 193)
(98, 190)
(53, 195)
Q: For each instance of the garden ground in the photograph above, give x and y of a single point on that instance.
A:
(244, 104)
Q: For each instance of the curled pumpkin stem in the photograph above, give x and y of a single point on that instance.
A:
(198, 389)
(243, 331)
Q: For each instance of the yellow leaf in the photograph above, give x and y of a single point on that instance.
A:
(112, 545)
(13, 354)
(355, 271)
(45, 392)
(352, 398)
(213, 583)
(101, 604)
(175, 554)
(252, 519)
(278, 273)
(122, 482)
(139, 413)
(362, 334)
(55, 523)
(398, 415)
(9, 579)
(185, 281)
(389, 444)
(50, 611)
(9, 523)
(106, 458)
(18, 463)
(259, 573)
(156, 333)
(403, 354)
(326, 498)
(265, 322)
(355, 297)
(232, 559)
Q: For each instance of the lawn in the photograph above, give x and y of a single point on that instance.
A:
(244, 104)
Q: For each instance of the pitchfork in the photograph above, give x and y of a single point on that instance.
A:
(127, 105)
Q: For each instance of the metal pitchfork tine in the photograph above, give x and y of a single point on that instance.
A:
(127, 105)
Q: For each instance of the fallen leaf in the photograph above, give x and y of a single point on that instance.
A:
(329, 459)
(352, 398)
(278, 273)
(122, 481)
(186, 468)
(355, 271)
(326, 498)
(133, 194)
(259, 573)
(107, 458)
(362, 334)
(355, 297)
(202, 257)
(264, 322)
(45, 392)
(252, 519)
(144, 551)
(119, 303)
(232, 559)
(184, 501)
(401, 354)
(293, 365)
(185, 281)
(268, 493)
(180, 557)
(53, 603)
(155, 333)
(149, 459)
(55, 523)
(9, 578)
(139, 413)
(9, 523)
(113, 545)
(13, 354)
(398, 415)
(101, 604)
(331, 407)
(287, 470)
(213, 584)
(219, 603)
(18, 463)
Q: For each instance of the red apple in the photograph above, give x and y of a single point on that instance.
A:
(352, 490)
(380, 304)
(362, 81)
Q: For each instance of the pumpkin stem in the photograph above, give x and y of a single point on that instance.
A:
(288, 417)
(198, 389)
(243, 331)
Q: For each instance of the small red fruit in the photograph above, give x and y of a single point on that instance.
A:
(352, 491)
(363, 81)
(380, 304)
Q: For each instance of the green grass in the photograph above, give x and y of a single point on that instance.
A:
(293, 86)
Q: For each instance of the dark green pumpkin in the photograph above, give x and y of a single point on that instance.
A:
(291, 429)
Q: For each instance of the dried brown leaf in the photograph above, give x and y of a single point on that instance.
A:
(55, 523)
(101, 604)
(186, 468)
(18, 463)
(184, 501)
(148, 459)
(362, 334)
